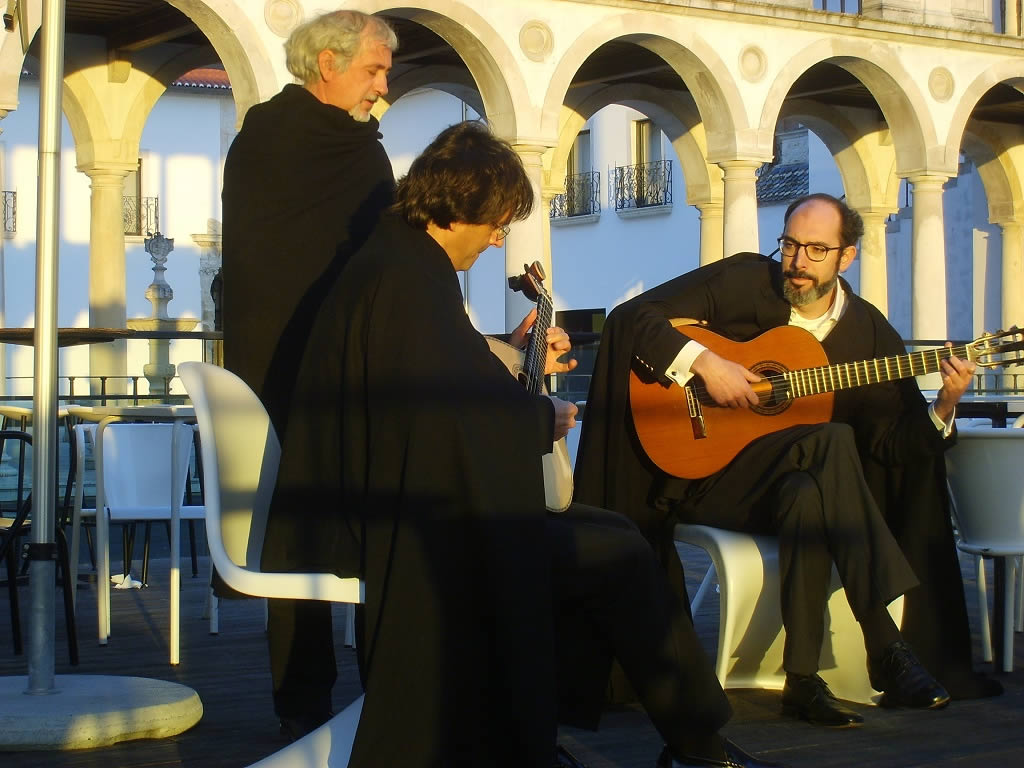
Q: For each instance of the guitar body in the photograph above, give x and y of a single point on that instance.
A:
(557, 468)
(682, 445)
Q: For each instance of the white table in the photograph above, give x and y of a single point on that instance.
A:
(104, 415)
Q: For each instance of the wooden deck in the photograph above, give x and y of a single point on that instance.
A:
(230, 673)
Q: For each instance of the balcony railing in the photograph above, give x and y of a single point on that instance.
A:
(10, 212)
(642, 186)
(582, 196)
(141, 215)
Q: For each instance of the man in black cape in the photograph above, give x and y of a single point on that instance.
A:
(486, 620)
(899, 441)
(305, 181)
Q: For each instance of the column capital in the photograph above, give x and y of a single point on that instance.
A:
(210, 240)
(927, 179)
(97, 169)
(740, 166)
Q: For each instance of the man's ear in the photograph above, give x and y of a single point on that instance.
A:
(325, 63)
(846, 257)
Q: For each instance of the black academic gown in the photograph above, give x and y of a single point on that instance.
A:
(422, 454)
(900, 448)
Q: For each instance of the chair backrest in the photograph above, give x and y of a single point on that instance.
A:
(240, 458)
(986, 475)
(136, 472)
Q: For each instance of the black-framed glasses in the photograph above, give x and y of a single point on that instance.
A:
(502, 231)
(789, 248)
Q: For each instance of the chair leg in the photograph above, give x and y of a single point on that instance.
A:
(702, 590)
(69, 605)
(12, 591)
(192, 547)
(1019, 613)
(1008, 622)
(985, 625)
(145, 554)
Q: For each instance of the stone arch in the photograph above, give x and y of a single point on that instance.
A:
(504, 97)
(1009, 72)
(677, 117)
(865, 161)
(717, 99)
(451, 80)
(883, 74)
(227, 24)
(998, 154)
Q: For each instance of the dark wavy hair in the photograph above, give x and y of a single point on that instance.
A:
(466, 175)
(851, 226)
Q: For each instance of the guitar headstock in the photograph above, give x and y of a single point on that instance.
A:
(993, 350)
(530, 282)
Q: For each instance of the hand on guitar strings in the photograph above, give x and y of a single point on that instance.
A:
(558, 344)
(727, 382)
(565, 416)
(956, 378)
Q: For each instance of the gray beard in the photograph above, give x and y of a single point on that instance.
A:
(359, 115)
(798, 298)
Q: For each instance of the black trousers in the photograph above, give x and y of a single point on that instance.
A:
(303, 669)
(805, 484)
(612, 600)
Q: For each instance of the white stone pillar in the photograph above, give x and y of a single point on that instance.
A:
(874, 276)
(711, 231)
(1012, 306)
(928, 259)
(740, 206)
(209, 264)
(3, 271)
(107, 273)
(529, 240)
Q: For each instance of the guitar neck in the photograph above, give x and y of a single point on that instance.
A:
(832, 378)
(536, 349)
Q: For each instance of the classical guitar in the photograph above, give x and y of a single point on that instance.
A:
(528, 367)
(687, 435)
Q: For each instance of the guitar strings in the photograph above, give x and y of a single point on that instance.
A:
(819, 376)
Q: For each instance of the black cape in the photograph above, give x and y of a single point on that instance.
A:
(901, 450)
(422, 453)
(304, 185)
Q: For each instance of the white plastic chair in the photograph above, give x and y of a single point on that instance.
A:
(987, 484)
(134, 483)
(240, 458)
(750, 633)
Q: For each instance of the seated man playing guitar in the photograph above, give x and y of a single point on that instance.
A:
(865, 490)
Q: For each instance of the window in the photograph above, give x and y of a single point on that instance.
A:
(141, 215)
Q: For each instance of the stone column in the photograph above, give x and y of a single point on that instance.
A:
(1012, 306)
(529, 240)
(209, 264)
(107, 272)
(740, 206)
(711, 231)
(928, 259)
(874, 277)
(3, 271)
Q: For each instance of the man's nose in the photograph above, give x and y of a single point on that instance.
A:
(381, 85)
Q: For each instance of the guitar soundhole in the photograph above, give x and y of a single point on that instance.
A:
(779, 400)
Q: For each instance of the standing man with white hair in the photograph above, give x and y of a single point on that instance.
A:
(304, 183)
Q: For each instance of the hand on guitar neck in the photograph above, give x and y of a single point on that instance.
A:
(558, 344)
(956, 378)
(727, 382)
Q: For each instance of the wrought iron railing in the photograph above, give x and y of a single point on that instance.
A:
(10, 212)
(141, 215)
(642, 186)
(582, 196)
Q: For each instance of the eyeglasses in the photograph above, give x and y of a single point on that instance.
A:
(502, 231)
(789, 248)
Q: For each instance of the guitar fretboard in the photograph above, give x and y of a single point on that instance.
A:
(536, 349)
(831, 378)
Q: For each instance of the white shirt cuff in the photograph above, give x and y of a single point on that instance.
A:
(679, 371)
(945, 428)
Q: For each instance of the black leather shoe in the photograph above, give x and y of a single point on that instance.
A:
(734, 757)
(566, 759)
(903, 681)
(808, 697)
(295, 727)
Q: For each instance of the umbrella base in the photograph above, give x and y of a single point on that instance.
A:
(85, 711)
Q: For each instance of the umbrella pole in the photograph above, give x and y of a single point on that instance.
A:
(41, 549)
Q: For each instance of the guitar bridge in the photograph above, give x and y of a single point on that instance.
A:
(700, 430)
